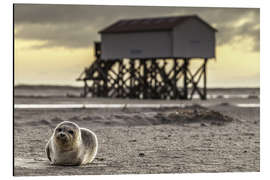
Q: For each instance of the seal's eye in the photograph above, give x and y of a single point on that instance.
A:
(70, 132)
(59, 129)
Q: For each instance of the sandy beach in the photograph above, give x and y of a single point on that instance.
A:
(218, 138)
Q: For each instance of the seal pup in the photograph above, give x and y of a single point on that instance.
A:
(71, 145)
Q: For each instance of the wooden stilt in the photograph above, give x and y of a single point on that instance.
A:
(185, 69)
(85, 90)
(145, 78)
(205, 79)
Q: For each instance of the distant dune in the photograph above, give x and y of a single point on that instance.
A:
(26, 86)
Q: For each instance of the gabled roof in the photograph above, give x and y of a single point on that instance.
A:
(149, 24)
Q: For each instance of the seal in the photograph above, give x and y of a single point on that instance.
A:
(71, 145)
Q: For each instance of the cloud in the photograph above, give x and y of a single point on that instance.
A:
(76, 26)
(231, 32)
(70, 36)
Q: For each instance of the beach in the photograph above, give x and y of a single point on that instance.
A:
(197, 136)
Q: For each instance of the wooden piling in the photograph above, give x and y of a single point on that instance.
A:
(145, 78)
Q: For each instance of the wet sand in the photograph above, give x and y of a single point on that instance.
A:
(219, 138)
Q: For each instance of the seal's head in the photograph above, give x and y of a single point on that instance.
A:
(67, 135)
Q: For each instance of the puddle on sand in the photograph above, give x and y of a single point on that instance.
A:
(248, 105)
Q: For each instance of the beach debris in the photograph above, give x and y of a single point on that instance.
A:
(133, 140)
(203, 125)
(100, 159)
(224, 104)
(141, 154)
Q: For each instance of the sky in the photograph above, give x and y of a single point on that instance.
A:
(54, 43)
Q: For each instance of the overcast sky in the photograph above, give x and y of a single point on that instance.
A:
(74, 27)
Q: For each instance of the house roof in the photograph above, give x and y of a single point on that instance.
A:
(149, 24)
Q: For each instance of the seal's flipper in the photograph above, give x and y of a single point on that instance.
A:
(48, 152)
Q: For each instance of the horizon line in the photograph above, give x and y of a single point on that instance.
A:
(74, 86)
